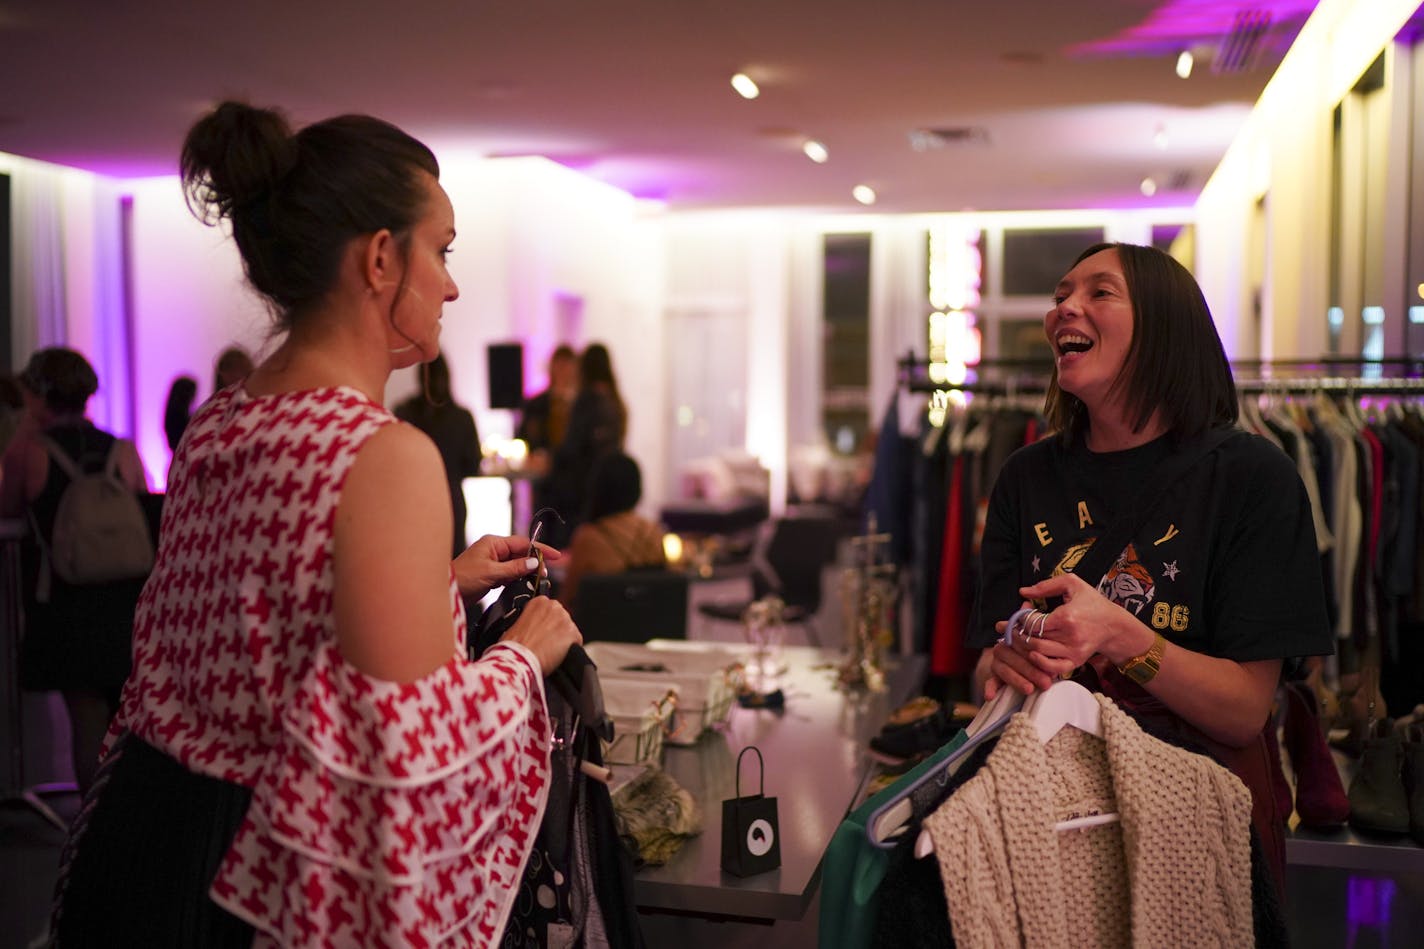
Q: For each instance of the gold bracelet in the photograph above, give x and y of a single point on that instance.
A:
(1144, 668)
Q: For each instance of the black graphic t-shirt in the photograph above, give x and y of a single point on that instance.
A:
(1225, 564)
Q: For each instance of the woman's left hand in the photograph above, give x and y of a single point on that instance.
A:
(493, 561)
(1085, 624)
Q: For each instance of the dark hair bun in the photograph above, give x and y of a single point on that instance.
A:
(296, 201)
(234, 156)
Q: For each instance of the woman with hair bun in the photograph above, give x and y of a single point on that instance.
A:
(303, 754)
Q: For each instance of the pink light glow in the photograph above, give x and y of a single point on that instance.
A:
(1182, 24)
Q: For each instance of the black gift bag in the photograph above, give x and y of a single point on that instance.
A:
(751, 840)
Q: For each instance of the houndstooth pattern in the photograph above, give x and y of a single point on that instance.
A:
(382, 813)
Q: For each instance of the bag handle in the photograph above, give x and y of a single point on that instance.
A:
(761, 792)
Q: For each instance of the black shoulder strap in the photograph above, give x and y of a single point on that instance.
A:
(1169, 470)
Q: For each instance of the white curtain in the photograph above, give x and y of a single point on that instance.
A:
(37, 296)
(67, 261)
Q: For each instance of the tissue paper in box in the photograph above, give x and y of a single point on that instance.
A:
(642, 713)
(705, 680)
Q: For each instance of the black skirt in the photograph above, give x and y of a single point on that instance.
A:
(142, 854)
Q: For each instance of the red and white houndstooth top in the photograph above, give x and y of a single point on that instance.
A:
(381, 813)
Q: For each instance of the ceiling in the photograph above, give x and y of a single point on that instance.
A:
(939, 105)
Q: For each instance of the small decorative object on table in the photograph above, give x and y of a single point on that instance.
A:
(751, 840)
(868, 595)
(764, 626)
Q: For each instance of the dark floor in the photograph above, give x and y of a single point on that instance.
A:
(1328, 908)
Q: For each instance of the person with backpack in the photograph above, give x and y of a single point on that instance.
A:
(80, 485)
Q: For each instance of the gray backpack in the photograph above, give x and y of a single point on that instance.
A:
(100, 530)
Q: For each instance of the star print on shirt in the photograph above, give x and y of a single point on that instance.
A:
(1171, 569)
(1035, 565)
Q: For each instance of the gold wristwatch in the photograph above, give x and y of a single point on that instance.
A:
(1144, 668)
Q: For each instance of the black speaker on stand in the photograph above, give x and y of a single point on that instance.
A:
(506, 375)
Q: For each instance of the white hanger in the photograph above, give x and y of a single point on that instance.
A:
(1063, 703)
(891, 817)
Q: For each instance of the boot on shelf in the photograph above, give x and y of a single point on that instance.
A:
(1320, 799)
(1378, 804)
(1280, 787)
(1413, 740)
(1327, 698)
(1359, 710)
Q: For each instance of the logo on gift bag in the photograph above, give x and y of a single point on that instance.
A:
(751, 843)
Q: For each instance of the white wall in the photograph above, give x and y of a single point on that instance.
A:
(532, 236)
(190, 302)
(1283, 154)
(529, 232)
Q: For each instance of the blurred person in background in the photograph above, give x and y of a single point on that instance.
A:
(452, 428)
(545, 417)
(613, 537)
(77, 637)
(178, 409)
(598, 423)
(233, 365)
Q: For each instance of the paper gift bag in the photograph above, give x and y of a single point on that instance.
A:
(751, 840)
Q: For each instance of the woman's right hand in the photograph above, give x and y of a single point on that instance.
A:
(545, 628)
(1011, 666)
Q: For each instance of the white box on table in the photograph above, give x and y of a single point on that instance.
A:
(705, 678)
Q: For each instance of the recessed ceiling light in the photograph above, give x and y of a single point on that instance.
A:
(815, 151)
(1184, 63)
(863, 193)
(1149, 187)
(746, 88)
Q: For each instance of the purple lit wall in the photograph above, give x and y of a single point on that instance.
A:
(1178, 25)
(189, 303)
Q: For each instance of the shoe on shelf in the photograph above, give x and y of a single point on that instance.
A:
(914, 710)
(1413, 741)
(1320, 799)
(901, 744)
(1415, 717)
(1378, 804)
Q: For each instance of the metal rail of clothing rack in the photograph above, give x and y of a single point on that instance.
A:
(1389, 375)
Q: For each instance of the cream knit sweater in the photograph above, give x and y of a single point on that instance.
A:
(1176, 871)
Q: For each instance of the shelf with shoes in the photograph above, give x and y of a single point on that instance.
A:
(1350, 849)
(1379, 825)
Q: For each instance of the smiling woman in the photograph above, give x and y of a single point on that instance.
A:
(1185, 629)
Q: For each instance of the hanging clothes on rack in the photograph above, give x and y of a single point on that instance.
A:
(1367, 436)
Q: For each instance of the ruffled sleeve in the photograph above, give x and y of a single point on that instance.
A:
(395, 814)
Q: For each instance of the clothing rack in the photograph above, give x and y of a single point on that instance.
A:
(1331, 385)
(1400, 375)
(990, 376)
